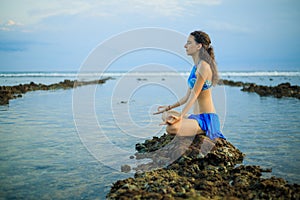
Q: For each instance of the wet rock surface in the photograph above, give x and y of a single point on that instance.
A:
(11, 92)
(279, 91)
(198, 168)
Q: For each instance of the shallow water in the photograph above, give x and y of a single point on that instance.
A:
(43, 157)
(266, 129)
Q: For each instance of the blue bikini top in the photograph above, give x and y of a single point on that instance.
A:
(192, 80)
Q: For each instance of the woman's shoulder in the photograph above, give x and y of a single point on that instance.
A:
(203, 66)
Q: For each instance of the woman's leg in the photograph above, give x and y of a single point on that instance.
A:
(184, 127)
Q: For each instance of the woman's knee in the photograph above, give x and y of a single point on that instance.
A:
(171, 129)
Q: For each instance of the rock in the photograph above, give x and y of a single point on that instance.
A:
(5, 96)
(125, 168)
(279, 91)
(141, 79)
(230, 83)
(11, 92)
(214, 175)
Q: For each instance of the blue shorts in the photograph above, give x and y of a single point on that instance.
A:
(210, 123)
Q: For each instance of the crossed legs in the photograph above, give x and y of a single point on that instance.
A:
(183, 127)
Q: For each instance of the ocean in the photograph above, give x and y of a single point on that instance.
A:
(70, 144)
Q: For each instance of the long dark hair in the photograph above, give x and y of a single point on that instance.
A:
(207, 53)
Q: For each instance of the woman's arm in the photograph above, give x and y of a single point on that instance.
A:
(202, 74)
(183, 100)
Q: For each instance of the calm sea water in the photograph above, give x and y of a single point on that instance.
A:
(51, 149)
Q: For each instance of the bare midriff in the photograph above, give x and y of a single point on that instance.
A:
(204, 103)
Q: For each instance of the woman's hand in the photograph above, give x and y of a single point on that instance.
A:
(162, 109)
(171, 117)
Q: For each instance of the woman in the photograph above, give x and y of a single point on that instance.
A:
(203, 76)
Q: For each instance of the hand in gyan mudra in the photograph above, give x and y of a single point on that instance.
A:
(170, 117)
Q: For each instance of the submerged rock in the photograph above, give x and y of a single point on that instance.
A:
(125, 168)
(198, 168)
(12, 92)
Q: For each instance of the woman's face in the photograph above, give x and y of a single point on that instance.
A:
(191, 46)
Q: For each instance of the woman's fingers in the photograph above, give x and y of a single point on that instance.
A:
(160, 109)
(172, 119)
(158, 112)
(163, 123)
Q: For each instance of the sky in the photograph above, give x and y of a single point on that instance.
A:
(55, 35)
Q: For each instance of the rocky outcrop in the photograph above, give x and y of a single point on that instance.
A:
(12, 92)
(231, 83)
(203, 170)
(279, 91)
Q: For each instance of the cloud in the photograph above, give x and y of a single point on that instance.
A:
(32, 11)
(56, 8)
(205, 2)
(226, 26)
(9, 25)
(157, 8)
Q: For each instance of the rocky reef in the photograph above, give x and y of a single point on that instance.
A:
(11, 92)
(279, 91)
(198, 168)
